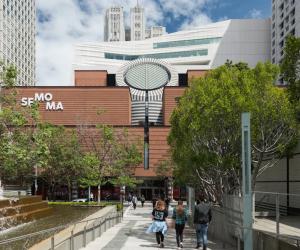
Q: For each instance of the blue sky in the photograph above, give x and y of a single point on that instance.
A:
(63, 23)
(226, 9)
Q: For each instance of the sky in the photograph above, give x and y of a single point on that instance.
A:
(63, 23)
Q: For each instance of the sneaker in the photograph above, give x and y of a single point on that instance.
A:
(181, 245)
(162, 245)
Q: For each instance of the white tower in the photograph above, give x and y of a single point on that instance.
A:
(17, 38)
(285, 21)
(114, 29)
(137, 23)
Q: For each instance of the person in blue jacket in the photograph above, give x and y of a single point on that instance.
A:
(159, 225)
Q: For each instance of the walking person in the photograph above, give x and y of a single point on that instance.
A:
(134, 201)
(154, 200)
(143, 200)
(180, 217)
(129, 199)
(202, 218)
(159, 225)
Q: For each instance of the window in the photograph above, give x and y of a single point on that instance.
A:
(281, 25)
(166, 55)
(186, 42)
(281, 44)
(281, 7)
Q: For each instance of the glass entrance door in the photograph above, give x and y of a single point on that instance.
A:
(147, 192)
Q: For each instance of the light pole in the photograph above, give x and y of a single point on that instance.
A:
(247, 190)
(146, 74)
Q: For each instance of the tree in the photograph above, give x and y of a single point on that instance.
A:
(64, 159)
(290, 67)
(290, 70)
(205, 136)
(110, 157)
(16, 154)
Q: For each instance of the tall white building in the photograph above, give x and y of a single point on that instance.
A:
(285, 21)
(137, 23)
(156, 31)
(114, 29)
(17, 37)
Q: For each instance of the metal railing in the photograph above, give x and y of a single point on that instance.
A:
(284, 206)
(79, 236)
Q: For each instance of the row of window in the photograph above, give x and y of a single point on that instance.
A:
(191, 53)
(186, 42)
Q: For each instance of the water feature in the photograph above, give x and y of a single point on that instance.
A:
(61, 215)
(15, 211)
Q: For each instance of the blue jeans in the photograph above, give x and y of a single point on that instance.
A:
(201, 232)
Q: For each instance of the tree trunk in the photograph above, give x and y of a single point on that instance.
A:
(99, 193)
(70, 190)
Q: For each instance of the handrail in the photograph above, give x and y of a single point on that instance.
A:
(274, 193)
(49, 230)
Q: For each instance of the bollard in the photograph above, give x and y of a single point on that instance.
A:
(84, 237)
(277, 216)
(94, 237)
(72, 240)
(52, 242)
(261, 242)
(238, 243)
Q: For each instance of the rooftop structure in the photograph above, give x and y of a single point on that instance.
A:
(114, 29)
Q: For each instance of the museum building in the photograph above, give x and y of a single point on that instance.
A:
(98, 72)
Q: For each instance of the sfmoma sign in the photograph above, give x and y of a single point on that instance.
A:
(42, 97)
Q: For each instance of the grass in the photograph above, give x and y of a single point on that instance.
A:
(91, 203)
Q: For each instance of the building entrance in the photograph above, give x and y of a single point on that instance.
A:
(147, 192)
(152, 189)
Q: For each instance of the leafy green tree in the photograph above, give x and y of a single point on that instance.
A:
(205, 134)
(110, 157)
(290, 67)
(63, 163)
(16, 155)
(290, 70)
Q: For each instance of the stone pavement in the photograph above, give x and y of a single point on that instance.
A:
(130, 234)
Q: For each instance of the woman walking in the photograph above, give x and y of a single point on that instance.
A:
(180, 217)
(159, 225)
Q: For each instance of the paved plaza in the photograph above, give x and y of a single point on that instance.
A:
(130, 234)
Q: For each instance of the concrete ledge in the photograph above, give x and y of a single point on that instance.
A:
(62, 239)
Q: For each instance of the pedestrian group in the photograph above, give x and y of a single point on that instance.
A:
(159, 226)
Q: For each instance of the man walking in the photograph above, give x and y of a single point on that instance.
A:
(134, 201)
(202, 218)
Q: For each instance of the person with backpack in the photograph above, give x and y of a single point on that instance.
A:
(159, 225)
(180, 217)
(134, 201)
(202, 218)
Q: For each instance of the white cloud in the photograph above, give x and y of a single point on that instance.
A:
(200, 20)
(63, 23)
(255, 14)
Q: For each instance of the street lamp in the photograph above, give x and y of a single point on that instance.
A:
(146, 74)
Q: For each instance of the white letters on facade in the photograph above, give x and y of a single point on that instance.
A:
(48, 97)
(42, 97)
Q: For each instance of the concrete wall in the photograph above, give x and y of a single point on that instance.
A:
(83, 233)
(224, 226)
(276, 179)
